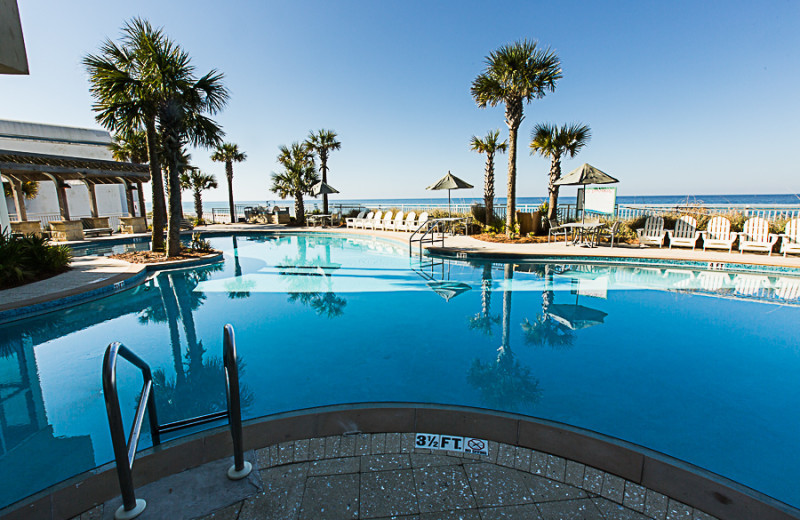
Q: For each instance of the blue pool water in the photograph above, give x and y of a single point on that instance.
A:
(702, 366)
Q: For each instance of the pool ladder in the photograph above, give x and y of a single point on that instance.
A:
(125, 450)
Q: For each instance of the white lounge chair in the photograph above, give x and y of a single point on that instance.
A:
(718, 234)
(685, 233)
(788, 288)
(408, 223)
(713, 280)
(423, 218)
(351, 221)
(790, 238)
(756, 236)
(362, 222)
(751, 285)
(385, 222)
(397, 223)
(653, 232)
(372, 223)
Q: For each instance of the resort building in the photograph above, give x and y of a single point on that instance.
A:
(75, 172)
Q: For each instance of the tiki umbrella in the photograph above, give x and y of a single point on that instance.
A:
(575, 317)
(583, 175)
(322, 188)
(449, 182)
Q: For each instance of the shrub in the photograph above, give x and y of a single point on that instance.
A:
(199, 244)
(28, 258)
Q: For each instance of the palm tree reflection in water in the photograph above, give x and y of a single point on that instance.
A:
(304, 275)
(504, 384)
(199, 384)
(545, 330)
(238, 288)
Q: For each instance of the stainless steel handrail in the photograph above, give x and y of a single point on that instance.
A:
(432, 226)
(125, 450)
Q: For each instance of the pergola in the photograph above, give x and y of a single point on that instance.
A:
(19, 167)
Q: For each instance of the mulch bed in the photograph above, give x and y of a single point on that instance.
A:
(154, 257)
(502, 239)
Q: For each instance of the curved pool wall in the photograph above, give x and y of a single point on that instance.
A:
(632, 476)
(643, 354)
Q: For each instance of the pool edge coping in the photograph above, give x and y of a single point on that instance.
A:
(660, 473)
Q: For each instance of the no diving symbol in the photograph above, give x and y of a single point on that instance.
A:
(476, 444)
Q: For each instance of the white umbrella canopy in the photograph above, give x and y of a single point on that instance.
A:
(449, 182)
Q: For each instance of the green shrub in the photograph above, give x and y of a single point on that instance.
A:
(27, 258)
(199, 244)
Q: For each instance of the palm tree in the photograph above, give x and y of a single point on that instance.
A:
(515, 73)
(321, 144)
(489, 146)
(149, 82)
(229, 153)
(127, 89)
(130, 147)
(198, 182)
(298, 177)
(554, 142)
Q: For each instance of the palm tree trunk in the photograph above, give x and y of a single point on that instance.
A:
(299, 209)
(488, 192)
(157, 186)
(555, 174)
(174, 196)
(505, 346)
(323, 166)
(513, 120)
(198, 205)
(229, 175)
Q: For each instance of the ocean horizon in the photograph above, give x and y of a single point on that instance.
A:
(739, 199)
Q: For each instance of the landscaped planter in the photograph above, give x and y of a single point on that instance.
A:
(67, 230)
(133, 225)
(27, 227)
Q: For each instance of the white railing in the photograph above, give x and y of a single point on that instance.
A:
(769, 212)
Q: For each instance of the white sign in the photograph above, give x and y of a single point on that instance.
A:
(600, 200)
(435, 441)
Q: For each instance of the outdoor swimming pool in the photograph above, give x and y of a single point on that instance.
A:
(699, 365)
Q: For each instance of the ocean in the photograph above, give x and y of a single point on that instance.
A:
(752, 199)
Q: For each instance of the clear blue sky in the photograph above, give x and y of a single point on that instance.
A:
(692, 97)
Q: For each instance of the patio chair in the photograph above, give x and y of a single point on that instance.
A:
(371, 223)
(718, 234)
(653, 232)
(751, 285)
(685, 233)
(790, 238)
(788, 288)
(408, 223)
(360, 223)
(608, 232)
(421, 221)
(351, 221)
(555, 229)
(386, 222)
(756, 236)
(397, 223)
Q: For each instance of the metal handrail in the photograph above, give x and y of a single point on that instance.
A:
(433, 225)
(125, 449)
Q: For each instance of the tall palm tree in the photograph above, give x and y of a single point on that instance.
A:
(554, 142)
(127, 90)
(322, 143)
(298, 177)
(229, 153)
(489, 146)
(148, 81)
(198, 182)
(515, 73)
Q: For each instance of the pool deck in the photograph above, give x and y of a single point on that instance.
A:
(90, 273)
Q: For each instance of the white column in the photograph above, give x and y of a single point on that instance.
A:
(5, 221)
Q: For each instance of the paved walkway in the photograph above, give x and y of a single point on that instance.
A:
(86, 273)
(382, 476)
